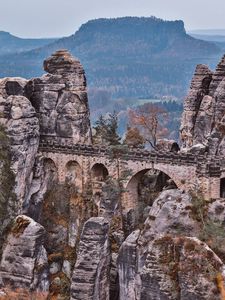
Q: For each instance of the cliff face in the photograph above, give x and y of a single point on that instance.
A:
(203, 120)
(24, 261)
(60, 99)
(70, 244)
(55, 105)
(166, 260)
(21, 124)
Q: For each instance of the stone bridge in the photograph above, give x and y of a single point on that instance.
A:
(82, 164)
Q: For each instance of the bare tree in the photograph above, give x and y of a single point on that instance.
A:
(151, 121)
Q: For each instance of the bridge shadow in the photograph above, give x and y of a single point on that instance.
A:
(222, 187)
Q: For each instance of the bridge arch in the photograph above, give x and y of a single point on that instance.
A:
(50, 171)
(99, 172)
(150, 180)
(177, 173)
(164, 180)
(73, 174)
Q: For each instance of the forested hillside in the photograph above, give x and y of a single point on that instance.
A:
(12, 44)
(128, 57)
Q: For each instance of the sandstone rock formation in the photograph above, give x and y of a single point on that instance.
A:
(202, 125)
(90, 276)
(12, 86)
(26, 110)
(21, 124)
(165, 260)
(64, 232)
(24, 261)
(60, 98)
(168, 268)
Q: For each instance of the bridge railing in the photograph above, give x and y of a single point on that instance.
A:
(206, 164)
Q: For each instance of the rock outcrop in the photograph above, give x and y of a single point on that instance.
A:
(21, 124)
(202, 125)
(165, 260)
(168, 268)
(60, 98)
(67, 224)
(91, 271)
(24, 261)
(12, 86)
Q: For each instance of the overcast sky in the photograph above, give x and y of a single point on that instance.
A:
(55, 18)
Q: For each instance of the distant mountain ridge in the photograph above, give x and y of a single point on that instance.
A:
(207, 31)
(12, 44)
(210, 38)
(129, 57)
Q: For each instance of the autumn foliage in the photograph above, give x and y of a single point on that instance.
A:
(134, 138)
(220, 284)
(21, 294)
(151, 121)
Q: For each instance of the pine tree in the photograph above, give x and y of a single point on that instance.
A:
(106, 130)
(112, 136)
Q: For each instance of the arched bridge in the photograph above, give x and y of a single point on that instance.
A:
(89, 163)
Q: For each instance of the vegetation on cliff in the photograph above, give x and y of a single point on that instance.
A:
(7, 179)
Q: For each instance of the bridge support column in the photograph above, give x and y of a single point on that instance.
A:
(210, 187)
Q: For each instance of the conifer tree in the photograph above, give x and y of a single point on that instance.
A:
(106, 130)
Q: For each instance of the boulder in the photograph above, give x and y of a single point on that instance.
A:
(168, 268)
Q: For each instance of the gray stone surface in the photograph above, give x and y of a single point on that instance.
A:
(171, 213)
(165, 260)
(22, 127)
(203, 120)
(60, 99)
(24, 261)
(90, 276)
(12, 86)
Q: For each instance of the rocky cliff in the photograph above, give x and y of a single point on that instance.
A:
(202, 125)
(54, 105)
(60, 99)
(61, 241)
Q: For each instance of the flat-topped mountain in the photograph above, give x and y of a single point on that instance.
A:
(11, 44)
(130, 56)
